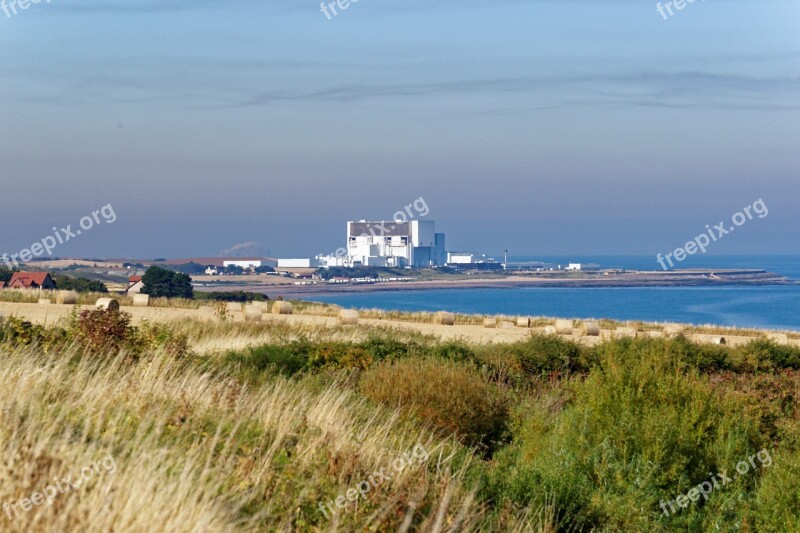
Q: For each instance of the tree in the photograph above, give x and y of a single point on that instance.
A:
(233, 270)
(160, 282)
(79, 284)
(189, 268)
(6, 273)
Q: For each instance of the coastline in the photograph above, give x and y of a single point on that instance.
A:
(681, 278)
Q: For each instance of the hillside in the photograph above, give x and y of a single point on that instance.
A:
(182, 418)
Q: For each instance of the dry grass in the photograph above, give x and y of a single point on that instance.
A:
(201, 452)
(319, 321)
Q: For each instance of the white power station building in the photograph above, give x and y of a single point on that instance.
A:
(390, 244)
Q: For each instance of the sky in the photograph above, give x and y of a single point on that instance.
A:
(542, 127)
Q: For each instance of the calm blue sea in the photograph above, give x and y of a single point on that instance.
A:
(760, 307)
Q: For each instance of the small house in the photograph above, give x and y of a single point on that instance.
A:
(31, 280)
(135, 285)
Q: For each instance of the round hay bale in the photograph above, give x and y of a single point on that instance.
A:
(108, 304)
(252, 313)
(234, 307)
(564, 327)
(44, 301)
(490, 322)
(505, 324)
(778, 338)
(282, 308)
(718, 340)
(141, 300)
(673, 330)
(549, 330)
(625, 332)
(590, 329)
(264, 305)
(67, 297)
(348, 317)
(444, 318)
(523, 321)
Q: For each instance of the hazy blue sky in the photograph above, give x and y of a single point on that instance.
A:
(547, 127)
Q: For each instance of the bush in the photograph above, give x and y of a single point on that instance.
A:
(231, 296)
(453, 397)
(641, 428)
(777, 502)
(761, 354)
(67, 283)
(704, 357)
(337, 355)
(545, 354)
(104, 329)
(382, 349)
(153, 337)
(258, 362)
(18, 332)
(452, 350)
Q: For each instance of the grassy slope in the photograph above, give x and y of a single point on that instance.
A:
(537, 435)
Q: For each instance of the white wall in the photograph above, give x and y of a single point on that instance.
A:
(294, 263)
(243, 264)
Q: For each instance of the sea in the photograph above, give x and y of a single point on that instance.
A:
(763, 306)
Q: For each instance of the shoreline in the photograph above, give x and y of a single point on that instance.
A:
(633, 279)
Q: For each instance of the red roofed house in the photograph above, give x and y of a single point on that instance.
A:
(31, 280)
(134, 285)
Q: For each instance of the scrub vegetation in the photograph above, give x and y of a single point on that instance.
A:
(538, 435)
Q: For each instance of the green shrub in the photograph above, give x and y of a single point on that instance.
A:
(231, 296)
(641, 427)
(704, 357)
(545, 354)
(454, 351)
(18, 332)
(338, 355)
(777, 502)
(381, 348)
(262, 361)
(762, 354)
(150, 337)
(453, 397)
(67, 283)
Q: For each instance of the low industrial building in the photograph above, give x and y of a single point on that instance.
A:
(247, 264)
(294, 263)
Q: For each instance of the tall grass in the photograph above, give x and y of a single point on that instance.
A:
(200, 452)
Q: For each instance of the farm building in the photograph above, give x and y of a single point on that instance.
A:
(31, 280)
(135, 285)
